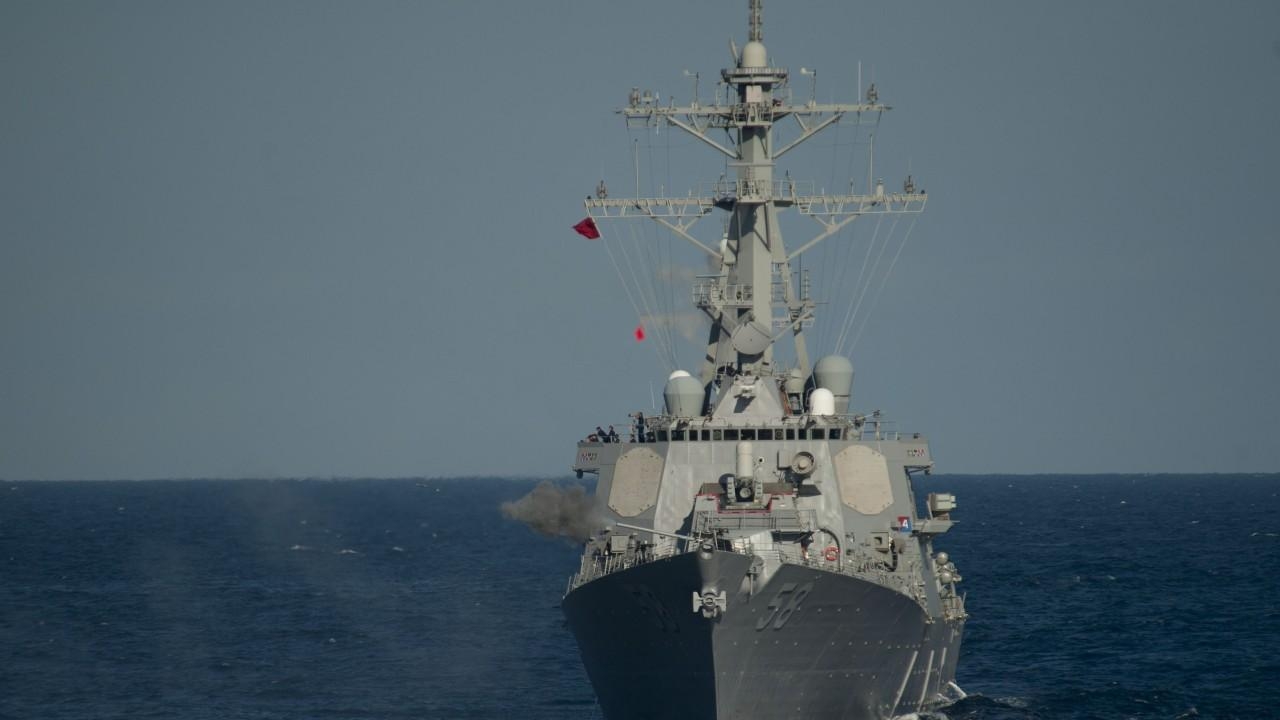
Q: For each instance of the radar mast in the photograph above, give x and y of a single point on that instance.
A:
(754, 276)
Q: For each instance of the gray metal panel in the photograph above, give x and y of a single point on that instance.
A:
(863, 475)
(681, 482)
(636, 479)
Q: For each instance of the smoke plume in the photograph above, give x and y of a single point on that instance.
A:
(690, 325)
(556, 512)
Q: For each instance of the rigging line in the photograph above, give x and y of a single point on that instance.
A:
(655, 260)
(622, 279)
(870, 278)
(671, 280)
(844, 250)
(854, 296)
(862, 271)
(644, 310)
(826, 284)
(646, 293)
(829, 274)
(665, 284)
(835, 153)
(671, 301)
(822, 281)
(655, 248)
(649, 248)
(864, 276)
(662, 313)
(651, 251)
(670, 261)
(842, 260)
(875, 300)
(856, 288)
(667, 162)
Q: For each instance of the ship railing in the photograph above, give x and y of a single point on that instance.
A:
(953, 607)
(627, 433)
(777, 555)
(857, 566)
(718, 429)
(710, 294)
(872, 428)
(707, 522)
(851, 426)
(753, 113)
(729, 189)
(597, 565)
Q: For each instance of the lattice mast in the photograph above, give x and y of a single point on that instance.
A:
(755, 276)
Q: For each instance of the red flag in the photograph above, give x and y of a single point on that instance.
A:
(587, 229)
(639, 333)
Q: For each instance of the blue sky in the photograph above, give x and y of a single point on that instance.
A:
(332, 239)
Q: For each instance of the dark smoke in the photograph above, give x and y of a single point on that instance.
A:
(556, 512)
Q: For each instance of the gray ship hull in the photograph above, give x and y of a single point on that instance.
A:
(808, 644)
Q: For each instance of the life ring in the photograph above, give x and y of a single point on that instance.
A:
(832, 553)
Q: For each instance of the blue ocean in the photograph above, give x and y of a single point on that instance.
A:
(1090, 597)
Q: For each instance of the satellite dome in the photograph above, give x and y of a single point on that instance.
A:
(754, 55)
(835, 373)
(683, 395)
(822, 402)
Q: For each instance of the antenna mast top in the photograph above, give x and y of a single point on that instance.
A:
(754, 277)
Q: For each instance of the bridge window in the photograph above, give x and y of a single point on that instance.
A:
(748, 434)
(677, 434)
(835, 433)
(706, 435)
(791, 433)
(731, 434)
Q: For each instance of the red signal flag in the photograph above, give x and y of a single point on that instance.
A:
(639, 333)
(587, 229)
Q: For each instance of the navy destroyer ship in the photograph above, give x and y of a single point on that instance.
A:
(764, 554)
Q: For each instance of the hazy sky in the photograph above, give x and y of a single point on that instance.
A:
(332, 238)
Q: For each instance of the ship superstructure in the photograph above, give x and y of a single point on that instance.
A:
(765, 555)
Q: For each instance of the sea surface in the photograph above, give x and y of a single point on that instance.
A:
(1090, 597)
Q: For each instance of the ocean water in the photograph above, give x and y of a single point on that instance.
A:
(1090, 597)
